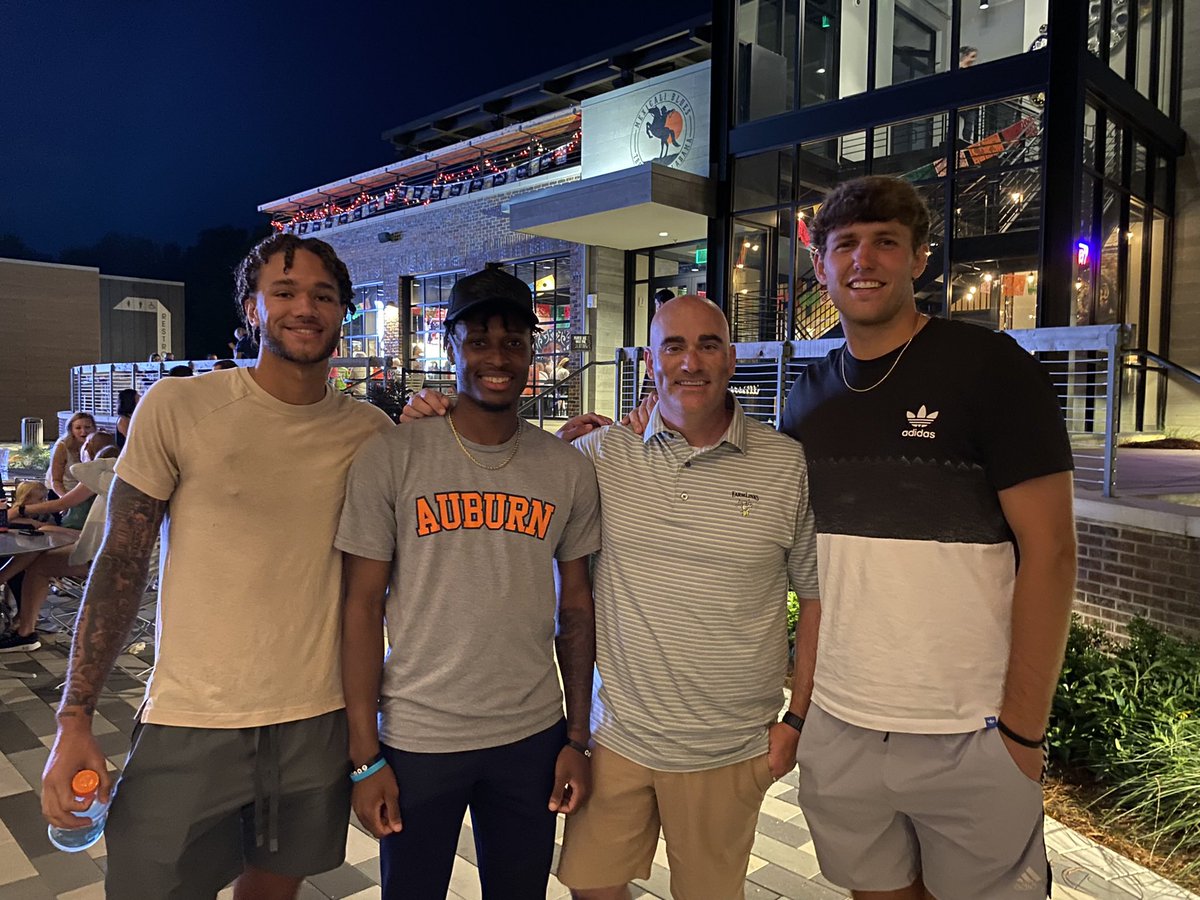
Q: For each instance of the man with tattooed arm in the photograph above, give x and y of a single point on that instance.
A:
(238, 766)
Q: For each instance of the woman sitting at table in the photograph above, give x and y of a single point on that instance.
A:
(94, 475)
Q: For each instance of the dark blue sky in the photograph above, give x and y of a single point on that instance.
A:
(160, 119)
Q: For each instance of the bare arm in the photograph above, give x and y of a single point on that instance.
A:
(375, 798)
(366, 582)
(575, 647)
(113, 594)
(575, 644)
(58, 466)
(1039, 512)
(807, 627)
(71, 498)
(110, 602)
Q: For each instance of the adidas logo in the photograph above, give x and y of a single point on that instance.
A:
(1031, 880)
(920, 421)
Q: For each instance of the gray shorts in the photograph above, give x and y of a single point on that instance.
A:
(195, 806)
(884, 808)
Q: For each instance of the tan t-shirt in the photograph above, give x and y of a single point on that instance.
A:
(248, 609)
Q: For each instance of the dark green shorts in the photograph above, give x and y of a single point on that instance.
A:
(195, 806)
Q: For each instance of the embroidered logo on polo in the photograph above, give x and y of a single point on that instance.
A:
(920, 422)
(745, 502)
(451, 510)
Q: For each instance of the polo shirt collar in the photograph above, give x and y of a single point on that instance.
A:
(734, 435)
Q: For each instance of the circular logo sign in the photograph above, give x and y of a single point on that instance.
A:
(664, 130)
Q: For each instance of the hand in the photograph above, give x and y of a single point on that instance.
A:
(376, 802)
(425, 403)
(74, 749)
(572, 781)
(1030, 760)
(639, 417)
(781, 749)
(578, 426)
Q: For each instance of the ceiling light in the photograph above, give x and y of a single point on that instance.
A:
(983, 4)
(821, 71)
(745, 243)
(1017, 197)
(1129, 234)
(664, 234)
(971, 291)
(755, 247)
(988, 277)
(1030, 277)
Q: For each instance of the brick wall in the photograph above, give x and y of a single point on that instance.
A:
(1127, 569)
(457, 234)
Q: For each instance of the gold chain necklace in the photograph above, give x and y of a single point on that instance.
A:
(511, 453)
(891, 369)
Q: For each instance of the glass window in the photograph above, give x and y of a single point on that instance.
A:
(550, 281)
(912, 41)
(756, 306)
(1145, 48)
(834, 42)
(767, 34)
(998, 202)
(815, 47)
(1089, 136)
(427, 317)
(1084, 255)
(1001, 30)
(1003, 132)
(1118, 35)
(1108, 281)
(1166, 46)
(910, 148)
(764, 179)
(1134, 239)
(1113, 147)
(826, 163)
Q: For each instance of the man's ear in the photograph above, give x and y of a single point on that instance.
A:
(648, 361)
(250, 309)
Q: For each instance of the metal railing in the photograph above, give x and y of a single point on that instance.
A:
(1085, 365)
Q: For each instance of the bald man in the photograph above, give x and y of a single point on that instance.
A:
(706, 521)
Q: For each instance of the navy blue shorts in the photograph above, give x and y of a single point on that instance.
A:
(507, 789)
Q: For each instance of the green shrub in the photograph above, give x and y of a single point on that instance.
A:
(793, 616)
(1128, 715)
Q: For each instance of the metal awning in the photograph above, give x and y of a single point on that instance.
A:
(625, 210)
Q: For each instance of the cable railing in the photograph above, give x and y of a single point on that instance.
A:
(1084, 365)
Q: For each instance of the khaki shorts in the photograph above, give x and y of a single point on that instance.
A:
(707, 820)
(885, 807)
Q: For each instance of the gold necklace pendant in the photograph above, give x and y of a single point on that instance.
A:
(891, 369)
(463, 447)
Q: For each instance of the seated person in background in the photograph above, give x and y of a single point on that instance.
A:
(74, 560)
(28, 493)
(180, 371)
(126, 401)
(65, 453)
(156, 357)
(224, 364)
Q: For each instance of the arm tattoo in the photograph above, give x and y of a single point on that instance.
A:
(575, 647)
(113, 594)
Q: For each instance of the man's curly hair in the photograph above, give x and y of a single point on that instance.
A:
(872, 198)
(246, 273)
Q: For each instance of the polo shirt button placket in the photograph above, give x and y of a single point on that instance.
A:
(683, 496)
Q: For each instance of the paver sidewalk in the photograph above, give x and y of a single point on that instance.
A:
(783, 864)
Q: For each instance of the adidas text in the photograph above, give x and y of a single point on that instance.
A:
(918, 433)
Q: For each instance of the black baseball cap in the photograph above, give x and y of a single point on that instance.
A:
(494, 287)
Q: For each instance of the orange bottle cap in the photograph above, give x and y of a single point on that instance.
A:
(85, 782)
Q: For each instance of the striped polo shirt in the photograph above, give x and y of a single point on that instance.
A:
(698, 548)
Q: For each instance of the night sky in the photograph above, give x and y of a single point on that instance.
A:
(161, 119)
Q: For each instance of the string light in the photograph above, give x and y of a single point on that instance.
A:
(404, 193)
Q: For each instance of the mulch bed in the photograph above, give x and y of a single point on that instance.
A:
(1163, 444)
(1080, 808)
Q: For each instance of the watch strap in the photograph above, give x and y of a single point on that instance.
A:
(790, 718)
(580, 748)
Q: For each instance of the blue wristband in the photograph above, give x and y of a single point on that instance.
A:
(368, 769)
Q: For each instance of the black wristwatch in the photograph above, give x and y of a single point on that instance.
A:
(580, 748)
(795, 721)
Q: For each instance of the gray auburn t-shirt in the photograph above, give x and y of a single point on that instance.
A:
(472, 602)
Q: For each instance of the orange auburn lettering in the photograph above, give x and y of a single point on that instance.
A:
(451, 510)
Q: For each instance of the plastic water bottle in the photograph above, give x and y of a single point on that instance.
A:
(85, 785)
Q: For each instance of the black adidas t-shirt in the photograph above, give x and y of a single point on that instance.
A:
(915, 554)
